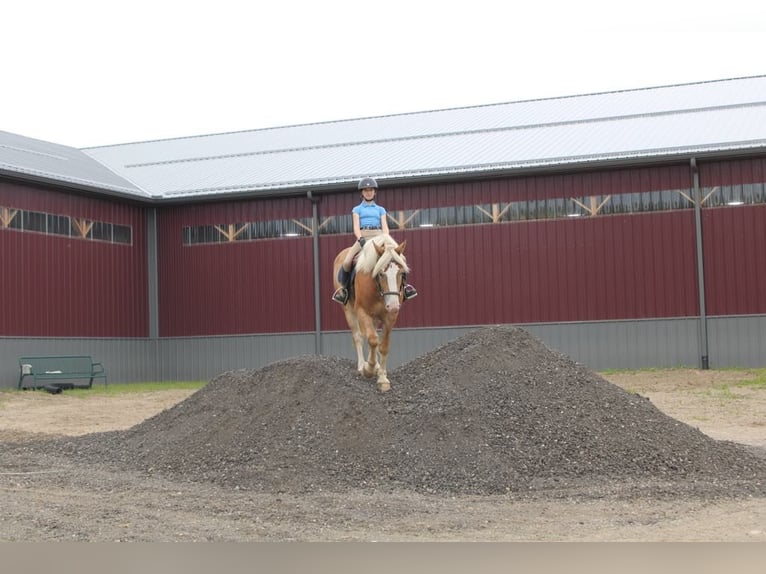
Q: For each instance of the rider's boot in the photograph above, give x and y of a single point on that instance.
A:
(341, 293)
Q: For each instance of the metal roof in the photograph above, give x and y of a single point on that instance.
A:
(662, 122)
(36, 160)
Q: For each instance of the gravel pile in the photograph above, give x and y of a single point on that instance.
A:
(494, 411)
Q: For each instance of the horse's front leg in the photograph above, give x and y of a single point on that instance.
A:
(384, 384)
(356, 337)
(367, 326)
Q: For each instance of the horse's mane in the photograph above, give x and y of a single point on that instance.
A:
(369, 262)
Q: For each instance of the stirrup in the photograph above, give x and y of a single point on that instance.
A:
(340, 295)
(410, 292)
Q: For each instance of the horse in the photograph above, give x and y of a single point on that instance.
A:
(374, 302)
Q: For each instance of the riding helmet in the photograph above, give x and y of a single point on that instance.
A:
(367, 182)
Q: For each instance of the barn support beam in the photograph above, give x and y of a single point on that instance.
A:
(317, 293)
(698, 200)
(153, 290)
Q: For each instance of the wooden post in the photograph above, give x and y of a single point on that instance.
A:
(6, 216)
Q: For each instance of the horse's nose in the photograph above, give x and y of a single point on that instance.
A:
(392, 306)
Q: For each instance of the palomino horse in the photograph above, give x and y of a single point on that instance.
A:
(374, 302)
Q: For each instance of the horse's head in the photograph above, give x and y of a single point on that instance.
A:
(385, 262)
(390, 272)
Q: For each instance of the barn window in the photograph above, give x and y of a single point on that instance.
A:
(733, 195)
(482, 214)
(33, 221)
(64, 225)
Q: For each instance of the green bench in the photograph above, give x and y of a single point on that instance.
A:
(48, 372)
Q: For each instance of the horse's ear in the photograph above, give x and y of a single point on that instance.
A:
(401, 247)
(378, 248)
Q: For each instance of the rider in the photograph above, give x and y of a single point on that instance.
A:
(369, 220)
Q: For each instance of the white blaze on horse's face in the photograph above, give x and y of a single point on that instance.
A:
(389, 279)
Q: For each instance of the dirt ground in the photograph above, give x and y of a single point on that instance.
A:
(52, 498)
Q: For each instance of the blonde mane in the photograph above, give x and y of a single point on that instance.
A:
(369, 262)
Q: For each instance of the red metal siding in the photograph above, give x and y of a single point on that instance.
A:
(733, 172)
(602, 268)
(406, 197)
(55, 286)
(735, 260)
(584, 269)
(607, 267)
(263, 286)
(734, 242)
(238, 211)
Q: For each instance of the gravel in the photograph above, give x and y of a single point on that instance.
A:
(493, 412)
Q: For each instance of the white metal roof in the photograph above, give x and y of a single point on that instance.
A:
(662, 122)
(48, 162)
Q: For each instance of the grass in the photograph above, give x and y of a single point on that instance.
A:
(757, 382)
(646, 370)
(143, 387)
(723, 392)
(140, 387)
(755, 379)
(758, 379)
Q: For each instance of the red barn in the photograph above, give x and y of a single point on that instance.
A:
(626, 229)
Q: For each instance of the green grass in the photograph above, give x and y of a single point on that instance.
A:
(126, 388)
(144, 387)
(646, 370)
(758, 379)
(757, 382)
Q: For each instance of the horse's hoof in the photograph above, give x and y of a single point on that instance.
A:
(367, 372)
(384, 387)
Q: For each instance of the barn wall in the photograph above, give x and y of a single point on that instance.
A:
(612, 291)
(605, 267)
(65, 286)
(733, 342)
(626, 344)
(737, 341)
(420, 196)
(598, 345)
(238, 287)
(733, 172)
(611, 268)
(125, 360)
(735, 260)
(202, 358)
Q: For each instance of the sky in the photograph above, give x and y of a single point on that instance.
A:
(86, 73)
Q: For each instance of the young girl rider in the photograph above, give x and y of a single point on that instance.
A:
(369, 220)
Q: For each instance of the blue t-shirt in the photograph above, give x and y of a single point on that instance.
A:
(369, 214)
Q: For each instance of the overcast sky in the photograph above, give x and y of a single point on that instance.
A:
(87, 73)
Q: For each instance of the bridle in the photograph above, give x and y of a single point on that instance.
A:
(400, 274)
(387, 257)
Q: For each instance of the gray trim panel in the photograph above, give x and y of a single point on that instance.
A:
(664, 343)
